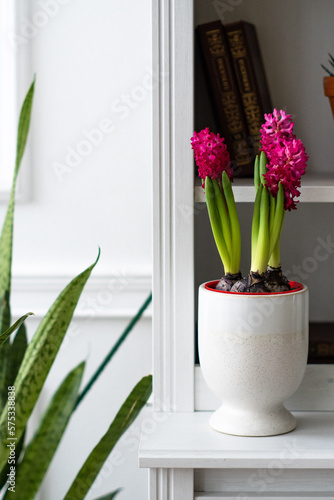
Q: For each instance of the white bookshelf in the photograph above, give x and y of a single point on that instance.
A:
(186, 459)
(316, 188)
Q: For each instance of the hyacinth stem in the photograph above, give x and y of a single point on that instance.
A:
(275, 256)
(272, 211)
(224, 216)
(234, 224)
(263, 167)
(216, 225)
(257, 180)
(256, 222)
(259, 265)
(276, 217)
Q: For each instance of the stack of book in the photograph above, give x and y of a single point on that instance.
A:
(237, 87)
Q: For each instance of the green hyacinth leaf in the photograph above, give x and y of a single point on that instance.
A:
(263, 167)
(257, 180)
(41, 449)
(224, 216)
(260, 262)
(234, 222)
(256, 223)
(124, 418)
(39, 357)
(276, 226)
(215, 222)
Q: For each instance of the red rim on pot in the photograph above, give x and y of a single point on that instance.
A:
(295, 287)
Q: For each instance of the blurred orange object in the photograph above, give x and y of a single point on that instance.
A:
(329, 90)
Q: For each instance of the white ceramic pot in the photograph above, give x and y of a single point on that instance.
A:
(253, 353)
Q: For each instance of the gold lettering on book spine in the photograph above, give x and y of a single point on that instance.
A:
(248, 95)
(227, 95)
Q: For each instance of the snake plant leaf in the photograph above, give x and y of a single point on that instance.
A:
(39, 357)
(113, 350)
(40, 450)
(125, 416)
(5, 315)
(6, 360)
(13, 354)
(4, 336)
(6, 239)
(18, 349)
(110, 496)
(5, 352)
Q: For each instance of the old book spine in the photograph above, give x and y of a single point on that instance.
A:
(250, 76)
(321, 344)
(227, 104)
(321, 352)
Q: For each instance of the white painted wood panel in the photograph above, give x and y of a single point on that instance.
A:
(173, 281)
(185, 440)
(286, 496)
(316, 392)
(171, 484)
(118, 295)
(273, 479)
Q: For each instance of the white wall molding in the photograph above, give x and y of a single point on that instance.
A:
(114, 296)
(173, 262)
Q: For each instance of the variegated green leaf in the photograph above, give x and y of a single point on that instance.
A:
(14, 353)
(5, 315)
(4, 336)
(126, 415)
(39, 357)
(5, 351)
(18, 349)
(6, 239)
(40, 450)
(6, 471)
(110, 496)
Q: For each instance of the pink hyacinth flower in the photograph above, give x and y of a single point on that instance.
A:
(286, 156)
(211, 155)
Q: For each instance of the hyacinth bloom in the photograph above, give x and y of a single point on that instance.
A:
(277, 179)
(286, 156)
(278, 170)
(211, 155)
(214, 168)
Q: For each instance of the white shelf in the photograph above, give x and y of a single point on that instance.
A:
(185, 440)
(316, 188)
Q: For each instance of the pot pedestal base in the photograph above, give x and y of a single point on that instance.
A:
(247, 423)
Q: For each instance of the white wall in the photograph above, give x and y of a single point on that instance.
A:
(92, 63)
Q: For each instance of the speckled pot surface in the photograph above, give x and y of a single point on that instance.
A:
(253, 353)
